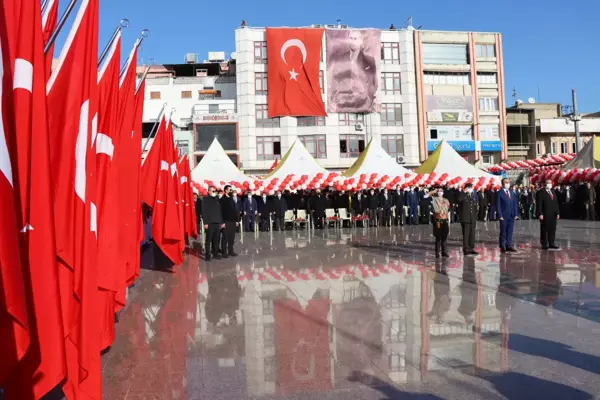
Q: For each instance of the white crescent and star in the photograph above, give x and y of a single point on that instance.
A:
(293, 43)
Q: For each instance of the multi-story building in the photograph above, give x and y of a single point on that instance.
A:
(431, 86)
(337, 140)
(460, 94)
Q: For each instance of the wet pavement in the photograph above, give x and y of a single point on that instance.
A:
(366, 314)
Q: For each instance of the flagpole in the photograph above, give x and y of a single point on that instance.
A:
(142, 78)
(154, 127)
(59, 25)
(123, 24)
(45, 4)
(144, 34)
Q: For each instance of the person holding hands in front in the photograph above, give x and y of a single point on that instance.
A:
(507, 208)
(548, 213)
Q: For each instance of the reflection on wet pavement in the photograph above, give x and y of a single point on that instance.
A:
(367, 314)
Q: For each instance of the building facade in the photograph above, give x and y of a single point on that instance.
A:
(460, 94)
(431, 86)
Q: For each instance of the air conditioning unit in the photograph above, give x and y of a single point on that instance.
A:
(316, 26)
(344, 26)
(358, 127)
(400, 159)
(468, 116)
(331, 26)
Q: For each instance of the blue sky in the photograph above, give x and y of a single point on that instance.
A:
(548, 44)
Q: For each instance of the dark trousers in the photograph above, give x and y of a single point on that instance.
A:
(279, 222)
(492, 212)
(228, 238)
(506, 233)
(468, 231)
(440, 232)
(548, 230)
(264, 223)
(590, 212)
(211, 239)
(249, 222)
(413, 215)
(386, 217)
(372, 217)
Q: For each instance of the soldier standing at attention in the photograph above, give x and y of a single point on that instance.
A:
(441, 229)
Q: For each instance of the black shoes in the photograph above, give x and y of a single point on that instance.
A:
(554, 247)
(445, 255)
(474, 253)
(232, 254)
(502, 250)
(511, 250)
(544, 247)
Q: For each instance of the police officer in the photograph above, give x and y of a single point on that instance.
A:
(467, 211)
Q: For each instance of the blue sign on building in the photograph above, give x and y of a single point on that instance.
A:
(463, 146)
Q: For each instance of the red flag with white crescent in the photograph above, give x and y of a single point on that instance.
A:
(189, 208)
(72, 116)
(151, 166)
(293, 72)
(14, 320)
(107, 178)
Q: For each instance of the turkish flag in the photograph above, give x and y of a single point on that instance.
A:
(151, 165)
(72, 116)
(14, 320)
(293, 72)
(189, 217)
(49, 19)
(43, 367)
(109, 203)
(166, 230)
(137, 134)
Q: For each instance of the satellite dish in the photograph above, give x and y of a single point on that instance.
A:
(531, 100)
(519, 101)
(233, 55)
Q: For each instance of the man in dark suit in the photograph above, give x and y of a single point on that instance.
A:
(264, 211)
(279, 209)
(231, 218)
(467, 211)
(399, 201)
(318, 205)
(548, 213)
(213, 223)
(386, 203)
(355, 75)
(507, 207)
(412, 201)
(250, 210)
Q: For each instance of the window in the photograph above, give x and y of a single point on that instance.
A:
(391, 82)
(573, 148)
(322, 81)
(267, 305)
(351, 145)
(434, 53)
(268, 147)
(487, 159)
(390, 53)
(446, 78)
(315, 144)
(485, 50)
(564, 147)
(184, 146)
(553, 147)
(350, 118)
(487, 78)
(311, 121)
(488, 104)
(154, 95)
(397, 363)
(260, 83)
(226, 134)
(262, 117)
(433, 134)
(260, 52)
(186, 94)
(538, 149)
(393, 144)
(391, 114)
(213, 108)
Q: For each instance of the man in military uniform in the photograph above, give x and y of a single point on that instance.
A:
(441, 207)
(467, 211)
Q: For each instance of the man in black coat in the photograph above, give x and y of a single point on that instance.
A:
(398, 204)
(264, 211)
(213, 223)
(279, 209)
(198, 206)
(372, 207)
(231, 218)
(548, 212)
(386, 202)
(467, 211)
(318, 204)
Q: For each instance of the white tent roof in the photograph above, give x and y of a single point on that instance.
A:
(216, 166)
(446, 160)
(375, 160)
(297, 161)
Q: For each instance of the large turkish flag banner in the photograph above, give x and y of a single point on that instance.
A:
(293, 72)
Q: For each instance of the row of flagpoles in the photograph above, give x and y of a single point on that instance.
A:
(70, 198)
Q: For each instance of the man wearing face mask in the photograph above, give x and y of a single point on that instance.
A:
(249, 209)
(441, 229)
(548, 213)
(386, 204)
(507, 207)
(213, 223)
(279, 209)
(318, 206)
(231, 219)
(264, 212)
(412, 201)
(372, 206)
(399, 201)
(467, 211)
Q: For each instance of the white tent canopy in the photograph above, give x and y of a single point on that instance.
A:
(216, 166)
(297, 161)
(375, 160)
(446, 160)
